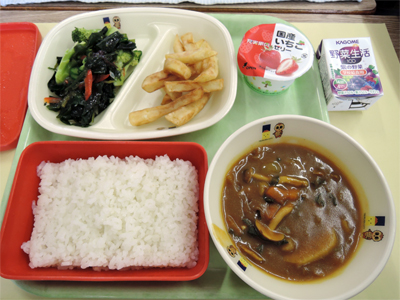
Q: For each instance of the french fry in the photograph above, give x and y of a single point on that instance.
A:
(184, 114)
(207, 63)
(191, 57)
(193, 46)
(188, 77)
(177, 68)
(177, 46)
(212, 85)
(156, 81)
(188, 85)
(205, 44)
(173, 95)
(166, 99)
(210, 67)
(181, 86)
(193, 70)
(197, 68)
(170, 96)
(187, 38)
(202, 65)
(148, 115)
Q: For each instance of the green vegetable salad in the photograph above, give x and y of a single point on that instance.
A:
(85, 79)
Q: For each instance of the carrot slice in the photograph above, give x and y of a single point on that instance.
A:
(276, 193)
(100, 78)
(293, 194)
(88, 84)
(52, 99)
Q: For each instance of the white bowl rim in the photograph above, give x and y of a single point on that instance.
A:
(385, 255)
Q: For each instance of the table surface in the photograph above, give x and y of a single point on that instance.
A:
(374, 129)
(391, 22)
(342, 7)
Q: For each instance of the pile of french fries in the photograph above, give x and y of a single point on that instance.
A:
(188, 78)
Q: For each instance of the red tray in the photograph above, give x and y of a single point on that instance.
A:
(19, 43)
(18, 219)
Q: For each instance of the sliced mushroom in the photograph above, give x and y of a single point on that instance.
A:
(336, 177)
(290, 246)
(282, 212)
(269, 234)
(295, 181)
(318, 173)
(233, 225)
(249, 174)
(262, 186)
(250, 252)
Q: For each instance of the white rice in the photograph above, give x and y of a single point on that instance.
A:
(112, 213)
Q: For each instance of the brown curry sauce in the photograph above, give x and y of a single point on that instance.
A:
(291, 211)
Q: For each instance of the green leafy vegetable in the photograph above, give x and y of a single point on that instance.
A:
(65, 66)
(86, 77)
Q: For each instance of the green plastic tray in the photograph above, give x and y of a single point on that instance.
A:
(304, 97)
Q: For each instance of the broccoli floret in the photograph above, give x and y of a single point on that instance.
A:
(125, 62)
(111, 30)
(67, 62)
(123, 58)
(82, 35)
(64, 66)
(76, 70)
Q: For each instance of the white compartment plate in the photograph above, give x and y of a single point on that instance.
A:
(154, 30)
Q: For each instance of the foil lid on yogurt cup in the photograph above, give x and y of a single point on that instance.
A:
(276, 52)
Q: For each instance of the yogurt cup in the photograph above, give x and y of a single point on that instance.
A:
(272, 56)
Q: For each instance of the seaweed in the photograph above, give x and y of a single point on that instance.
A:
(86, 77)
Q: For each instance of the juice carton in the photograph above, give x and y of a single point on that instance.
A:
(349, 73)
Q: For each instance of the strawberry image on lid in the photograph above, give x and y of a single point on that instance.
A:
(288, 66)
(270, 58)
(276, 54)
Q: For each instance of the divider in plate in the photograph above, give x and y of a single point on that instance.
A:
(154, 31)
